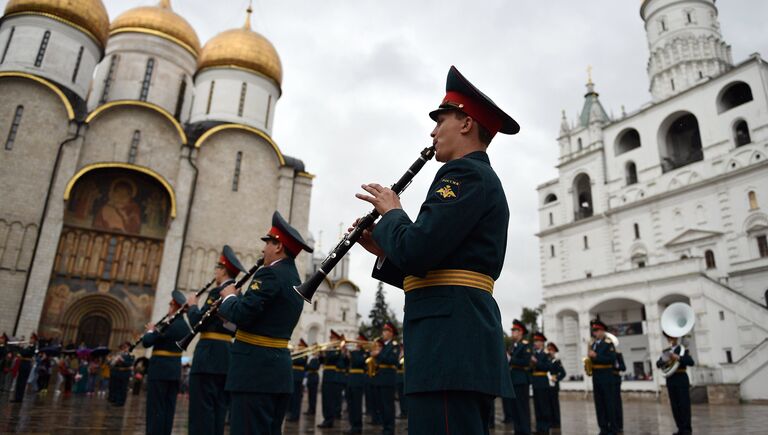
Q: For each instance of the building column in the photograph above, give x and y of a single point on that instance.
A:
(50, 231)
(585, 339)
(652, 330)
(285, 192)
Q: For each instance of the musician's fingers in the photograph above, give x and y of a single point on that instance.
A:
(369, 189)
(377, 187)
(366, 198)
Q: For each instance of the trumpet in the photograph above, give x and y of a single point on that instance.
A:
(587, 360)
(318, 347)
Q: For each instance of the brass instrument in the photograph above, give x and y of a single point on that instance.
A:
(370, 366)
(677, 320)
(318, 347)
(587, 360)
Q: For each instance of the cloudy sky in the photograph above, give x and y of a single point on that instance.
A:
(360, 77)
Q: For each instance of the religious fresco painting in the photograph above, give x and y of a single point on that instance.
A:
(108, 259)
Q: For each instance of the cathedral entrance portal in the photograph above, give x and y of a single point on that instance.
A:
(107, 264)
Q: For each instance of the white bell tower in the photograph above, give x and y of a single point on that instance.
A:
(685, 44)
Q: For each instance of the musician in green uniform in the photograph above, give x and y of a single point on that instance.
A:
(618, 368)
(299, 366)
(602, 352)
(678, 384)
(556, 374)
(519, 371)
(401, 384)
(356, 385)
(541, 365)
(313, 380)
(447, 261)
(26, 356)
(385, 381)
(332, 382)
(120, 374)
(164, 371)
(208, 401)
(260, 377)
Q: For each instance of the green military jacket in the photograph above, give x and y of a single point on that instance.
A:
(162, 367)
(356, 363)
(602, 364)
(386, 365)
(462, 224)
(211, 355)
(269, 307)
(520, 363)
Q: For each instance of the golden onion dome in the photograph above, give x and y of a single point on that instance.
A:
(160, 21)
(242, 48)
(89, 16)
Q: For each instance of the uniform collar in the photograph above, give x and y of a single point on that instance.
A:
(478, 155)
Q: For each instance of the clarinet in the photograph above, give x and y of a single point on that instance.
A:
(213, 310)
(166, 321)
(308, 288)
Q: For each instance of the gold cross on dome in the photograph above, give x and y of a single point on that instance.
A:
(589, 74)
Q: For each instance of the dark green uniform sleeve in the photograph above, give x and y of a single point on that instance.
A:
(417, 247)
(245, 309)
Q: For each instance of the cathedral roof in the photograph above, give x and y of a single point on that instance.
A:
(89, 16)
(160, 21)
(243, 48)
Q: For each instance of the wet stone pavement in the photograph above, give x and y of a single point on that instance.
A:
(53, 414)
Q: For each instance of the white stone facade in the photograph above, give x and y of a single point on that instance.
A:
(662, 205)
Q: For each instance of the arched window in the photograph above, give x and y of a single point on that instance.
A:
(550, 198)
(236, 175)
(709, 258)
(147, 79)
(586, 242)
(637, 231)
(552, 251)
(682, 144)
(580, 144)
(752, 196)
(630, 171)
(734, 95)
(14, 127)
(43, 48)
(741, 133)
(583, 197)
(551, 219)
(627, 141)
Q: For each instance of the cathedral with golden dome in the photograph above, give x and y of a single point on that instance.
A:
(131, 154)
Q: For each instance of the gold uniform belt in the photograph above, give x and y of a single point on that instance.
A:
(601, 366)
(388, 366)
(24, 358)
(680, 370)
(220, 336)
(165, 353)
(311, 370)
(298, 368)
(519, 367)
(330, 368)
(541, 373)
(260, 340)
(356, 371)
(466, 278)
(121, 369)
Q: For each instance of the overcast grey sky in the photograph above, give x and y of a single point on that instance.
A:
(361, 75)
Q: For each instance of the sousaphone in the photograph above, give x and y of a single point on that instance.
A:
(677, 320)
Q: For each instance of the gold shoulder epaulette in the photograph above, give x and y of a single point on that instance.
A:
(608, 340)
(525, 341)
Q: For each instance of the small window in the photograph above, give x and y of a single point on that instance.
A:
(243, 90)
(580, 144)
(722, 315)
(108, 79)
(180, 98)
(663, 24)
(210, 97)
(636, 227)
(588, 274)
(762, 246)
(640, 264)
(8, 43)
(43, 47)
(728, 356)
(314, 306)
(701, 75)
(134, 150)
(14, 128)
(77, 64)
(766, 298)
(552, 251)
(586, 242)
(236, 175)
(147, 79)
(752, 196)
(631, 173)
(741, 133)
(269, 107)
(689, 17)
(709, 258)
(344, 316)
(550, 198)
(551, 219)
(672, 83)
(684, 257)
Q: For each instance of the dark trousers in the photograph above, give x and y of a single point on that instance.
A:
(680, 401)
(312, 397)
(329, 392)
(541, 407)
(605, 394)
(402, 399)
(619, 406)
(386, 400)
(111, 387)
(449, 413)
(355, 406)
(554, 407)
(208, 403)
(375, 406)
(507, 405)
(368, 398)
(118, 389)
(161, 405)
(294, 408)
(21, 381)
(257, 413)
(521, 409)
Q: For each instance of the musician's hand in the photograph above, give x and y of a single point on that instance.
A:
(228, 290)
(534, 359)
(366, 240)
(674, 357)
(375, 351)
(149, 326)
(384, 199)
(192, 300)
(592, 354)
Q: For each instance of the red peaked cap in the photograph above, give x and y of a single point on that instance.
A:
(462, 95)
(229, 260)
(391, 327)
(538, 336)
(520, 326)
(598, 324)
(284, 233)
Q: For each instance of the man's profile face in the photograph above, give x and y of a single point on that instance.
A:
(599, 333)
(446, 136)
(517, 334)
(386, 334)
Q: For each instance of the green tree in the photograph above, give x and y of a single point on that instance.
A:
(530, 317)
(380, 314)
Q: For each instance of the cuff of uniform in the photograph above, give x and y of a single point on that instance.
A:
(227, 297)
(380, 262)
